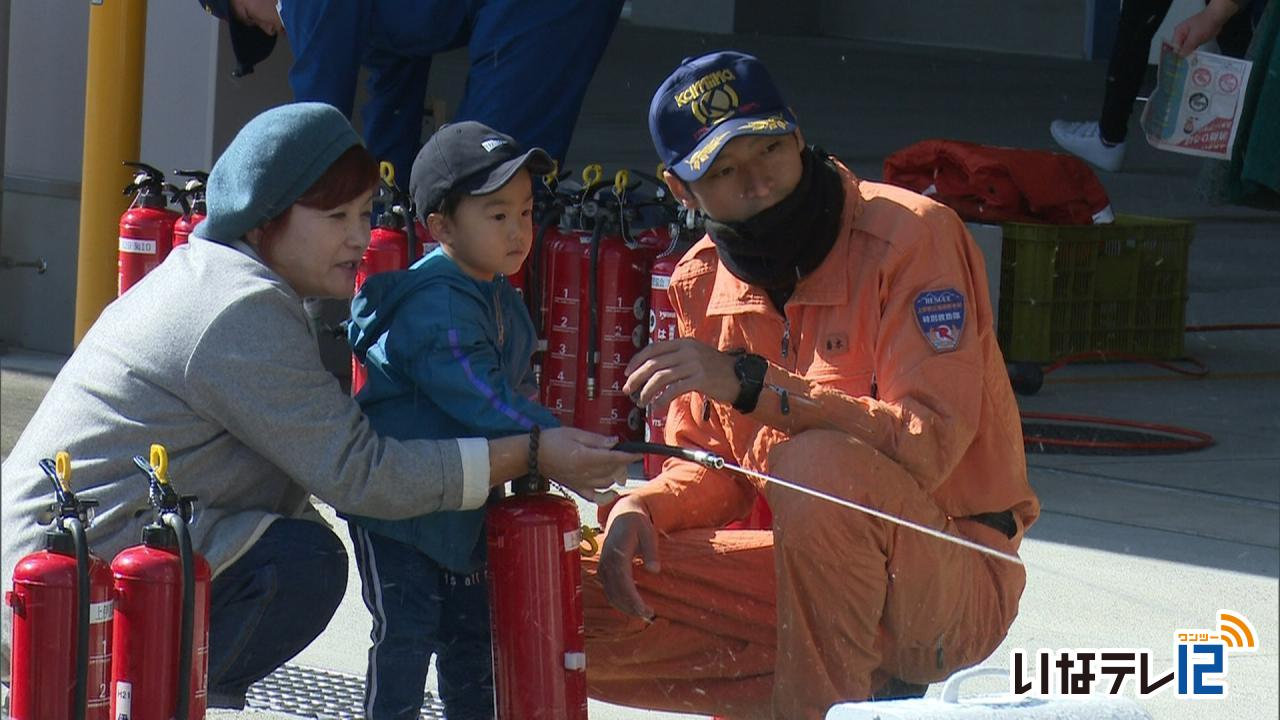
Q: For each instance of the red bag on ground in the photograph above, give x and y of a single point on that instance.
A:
(994, 184)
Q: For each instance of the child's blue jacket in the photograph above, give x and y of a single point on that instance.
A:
(448, 356)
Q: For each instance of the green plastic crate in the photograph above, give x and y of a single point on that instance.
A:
(1120, 287)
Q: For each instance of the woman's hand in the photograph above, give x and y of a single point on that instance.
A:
(582, 460)
(1203, 26)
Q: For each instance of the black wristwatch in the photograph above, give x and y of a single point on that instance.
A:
(750, 370)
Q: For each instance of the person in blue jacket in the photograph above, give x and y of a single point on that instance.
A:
(448, 346)
(520, 51)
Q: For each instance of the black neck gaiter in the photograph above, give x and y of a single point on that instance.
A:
(776, 247)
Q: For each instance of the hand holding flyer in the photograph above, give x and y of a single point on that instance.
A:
(1195, 108)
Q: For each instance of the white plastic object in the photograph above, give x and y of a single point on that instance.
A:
(1003, 706)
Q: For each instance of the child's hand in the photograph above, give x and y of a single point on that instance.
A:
(582, 460)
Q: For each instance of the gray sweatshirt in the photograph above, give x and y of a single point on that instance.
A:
(213, 356)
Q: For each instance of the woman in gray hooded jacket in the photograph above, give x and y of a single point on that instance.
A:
(213, 356)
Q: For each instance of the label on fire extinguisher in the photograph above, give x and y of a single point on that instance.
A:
(137, 245)
(124, 700)
(659, 282)
(100, 612)
(572, 540)
(575, 661)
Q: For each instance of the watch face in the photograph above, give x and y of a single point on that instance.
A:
(751, 369)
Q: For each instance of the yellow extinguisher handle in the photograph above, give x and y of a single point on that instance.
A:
(590, 544)
(63, 464)
(620, 181)
(591, 174)
(160, 463)
(387, 172)
(550, 178)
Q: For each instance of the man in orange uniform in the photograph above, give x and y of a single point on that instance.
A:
(836, 333)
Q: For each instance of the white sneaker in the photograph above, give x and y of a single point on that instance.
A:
(1083, 140)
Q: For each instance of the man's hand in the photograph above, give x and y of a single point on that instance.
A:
(1203, 26)
(663, 371)
(262, 14)
(629, 533)
(582, 460)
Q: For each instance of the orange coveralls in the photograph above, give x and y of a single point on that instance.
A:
(883, 407)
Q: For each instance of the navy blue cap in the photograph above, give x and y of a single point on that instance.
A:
(249, 44)
(708, 101)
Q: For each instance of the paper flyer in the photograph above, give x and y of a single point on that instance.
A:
(1195, 108)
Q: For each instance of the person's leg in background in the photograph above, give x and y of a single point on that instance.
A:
(1139, 20)
(464, 651)
(531, 64)
(402, 589)
(862, 602)
(270, 604)
(1102, 142)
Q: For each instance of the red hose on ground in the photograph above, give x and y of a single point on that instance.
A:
(1190, 439)
(1193, 439)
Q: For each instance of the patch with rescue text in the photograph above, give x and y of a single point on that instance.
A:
(940, 314)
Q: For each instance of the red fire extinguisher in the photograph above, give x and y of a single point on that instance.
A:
(191, 198)
(535, 600)
(61, 602)
(567, 258)
(146, 228)
(614, 314)
(161, 636)
(549, 207)
(389, 249)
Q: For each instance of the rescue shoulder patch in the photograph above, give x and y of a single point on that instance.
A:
(940, 315)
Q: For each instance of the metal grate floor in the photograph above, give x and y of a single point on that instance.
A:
(321, 694)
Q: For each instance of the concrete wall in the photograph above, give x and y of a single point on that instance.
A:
(1045, 27)
(44, 137)
(1061, 28)
(764, 17)
(191, 109)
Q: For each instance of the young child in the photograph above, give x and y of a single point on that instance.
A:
(448, 347)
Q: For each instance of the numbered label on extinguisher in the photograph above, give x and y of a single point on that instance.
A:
(137, 245)
(124, 701)
(100, 612)
(572, 540)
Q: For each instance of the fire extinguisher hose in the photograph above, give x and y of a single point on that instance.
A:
(593, 302)
(715, 462)
(535, 266)
(410, 232)
(76, 528)
(179, 524)
(59, 473)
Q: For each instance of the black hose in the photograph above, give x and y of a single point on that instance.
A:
(701, 457)
(82, 614)
(410, 234)
(593, 290)
(536, 270)
(185, 554)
